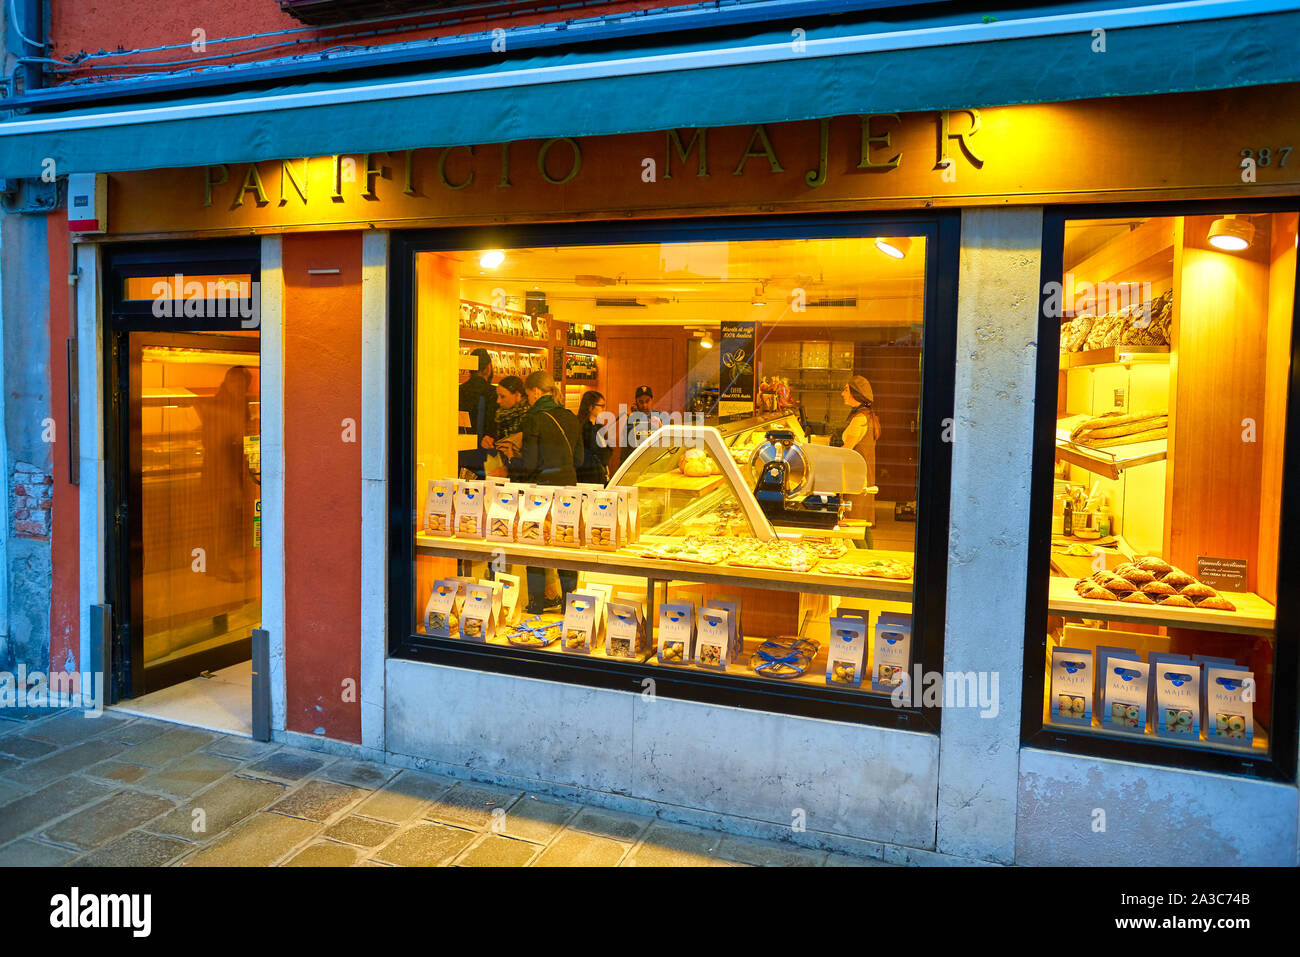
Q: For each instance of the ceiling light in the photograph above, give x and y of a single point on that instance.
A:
(707, 341)
(896, 247)
(491, 258)
(1231, 234)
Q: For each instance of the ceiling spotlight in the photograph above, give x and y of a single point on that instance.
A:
(491, 258)
(706, 342)
(1231, 234)
(896, 247)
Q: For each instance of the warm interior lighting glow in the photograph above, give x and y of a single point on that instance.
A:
(707, 341)
(492, 258)
(1231, 234)
(894, 246)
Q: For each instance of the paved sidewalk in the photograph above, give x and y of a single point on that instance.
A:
(122, 791)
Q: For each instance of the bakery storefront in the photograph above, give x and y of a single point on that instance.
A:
(916, 482)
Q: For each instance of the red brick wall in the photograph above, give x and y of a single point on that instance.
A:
(64, 531)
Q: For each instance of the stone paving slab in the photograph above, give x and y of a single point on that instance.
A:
(139, 730)
(323, 854)
(259, 841)
(537, 819)
(47, 805)
(118, 771)
(28, 853)
(7, 764)
(361, 774)
(611, 824)
(497, 851)
(167, 747)
(404, 797)
(471, 805)
(767, 854)
(222, 806)
(66, 761)
(69, 727)
(575, 849)
(289, 764)
(425, 845)
(189, 774)
(361, 831)
(243, 749)
(669, 846)
(110, 818)
(25, 747)
(317, 800)
(137, 849)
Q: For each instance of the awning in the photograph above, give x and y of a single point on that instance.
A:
(858, 66)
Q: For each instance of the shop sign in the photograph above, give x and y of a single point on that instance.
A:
(736, 348)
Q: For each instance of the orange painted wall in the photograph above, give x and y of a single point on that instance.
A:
(322, 534)
(65, 619)
(88, 26)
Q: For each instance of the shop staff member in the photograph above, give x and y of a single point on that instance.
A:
(478, 398)
(550, 455)
(641, 422)
(861, 433)
(596, 455)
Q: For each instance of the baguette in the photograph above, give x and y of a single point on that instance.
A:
(1149, 436)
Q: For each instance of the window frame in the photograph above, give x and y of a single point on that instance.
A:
(934, 465)
(1280, 764)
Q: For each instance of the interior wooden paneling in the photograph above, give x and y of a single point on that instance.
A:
(1219, 343)
(1277, 366)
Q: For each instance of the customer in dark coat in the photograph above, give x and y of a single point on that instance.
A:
(596, 454)
(551, 452)
(478, 398)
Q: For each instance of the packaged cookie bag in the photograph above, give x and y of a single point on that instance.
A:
(566, 517)
(629, 513)
(713, 639)
(676, 631)
(535, 516)
(1230, 695)
(891, 651)
(442, 613)
(1072, 686)
(503, 509)
(578, 636)
(1177, 685)
(847, 655)
(1124, 706)
(625, 629)
(470, 509)
(478, 615)
(602, 520)
(732, 607)
(511, 609)
(438, 507)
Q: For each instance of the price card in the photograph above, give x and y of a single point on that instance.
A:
(1228, 574)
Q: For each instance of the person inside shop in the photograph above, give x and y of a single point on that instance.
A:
(861, 433)
(479, 400)
(550, 454)
(505, 437)
(640, 423)
(596, 453)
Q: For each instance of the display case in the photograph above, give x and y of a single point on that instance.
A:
(1161, 498)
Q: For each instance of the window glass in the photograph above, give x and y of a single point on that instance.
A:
(1174, 357)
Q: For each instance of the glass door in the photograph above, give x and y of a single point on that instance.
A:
(193, 521)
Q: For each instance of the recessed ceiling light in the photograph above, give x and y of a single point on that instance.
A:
(492, 258)
(895, 247)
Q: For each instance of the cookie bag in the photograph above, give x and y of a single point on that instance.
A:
(602, 520)
(503, 508)
(1124, 707)
(578, 636)
(1230, 694)
(478, 615)
(566, 517)
(534, 525)
(891, 651)
(1072, 686)
(442, 613)
(470, 509)
(625, 635)
(713, 639)
(847, 655)
(438, 507)
(676, 632)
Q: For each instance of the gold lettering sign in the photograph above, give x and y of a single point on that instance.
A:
(1071, 152)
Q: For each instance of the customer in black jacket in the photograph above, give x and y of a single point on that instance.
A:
(551, 453)
(478, 398)
(596, 454)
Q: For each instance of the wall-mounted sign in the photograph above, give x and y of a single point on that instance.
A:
(736, 347)
(1229, 574)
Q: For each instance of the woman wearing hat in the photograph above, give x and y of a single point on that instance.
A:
(860, 434)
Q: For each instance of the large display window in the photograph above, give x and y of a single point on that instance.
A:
(702, 460)
(1164, 478)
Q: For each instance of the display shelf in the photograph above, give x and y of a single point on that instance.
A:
(814, 676)
(1254, 615)
(622, 562)
(481, 337)
(1110, 463)
(1114, 355)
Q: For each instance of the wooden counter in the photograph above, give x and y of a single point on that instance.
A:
(622, 562)
(1254, 616)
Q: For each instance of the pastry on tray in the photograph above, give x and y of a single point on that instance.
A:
(876, 568)
(1150, 579)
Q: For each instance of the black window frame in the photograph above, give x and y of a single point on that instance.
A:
(1280, 764)
(934, 466)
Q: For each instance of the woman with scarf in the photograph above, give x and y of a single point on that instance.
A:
(861, 433)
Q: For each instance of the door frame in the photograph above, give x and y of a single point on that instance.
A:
(123, 546)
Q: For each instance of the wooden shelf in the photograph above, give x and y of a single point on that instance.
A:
(1254, 615)
(1114, 355)
(621, 562)
(481, 337)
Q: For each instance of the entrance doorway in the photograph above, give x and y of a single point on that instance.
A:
(184, 489)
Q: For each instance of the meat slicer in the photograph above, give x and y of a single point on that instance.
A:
(802, 484)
